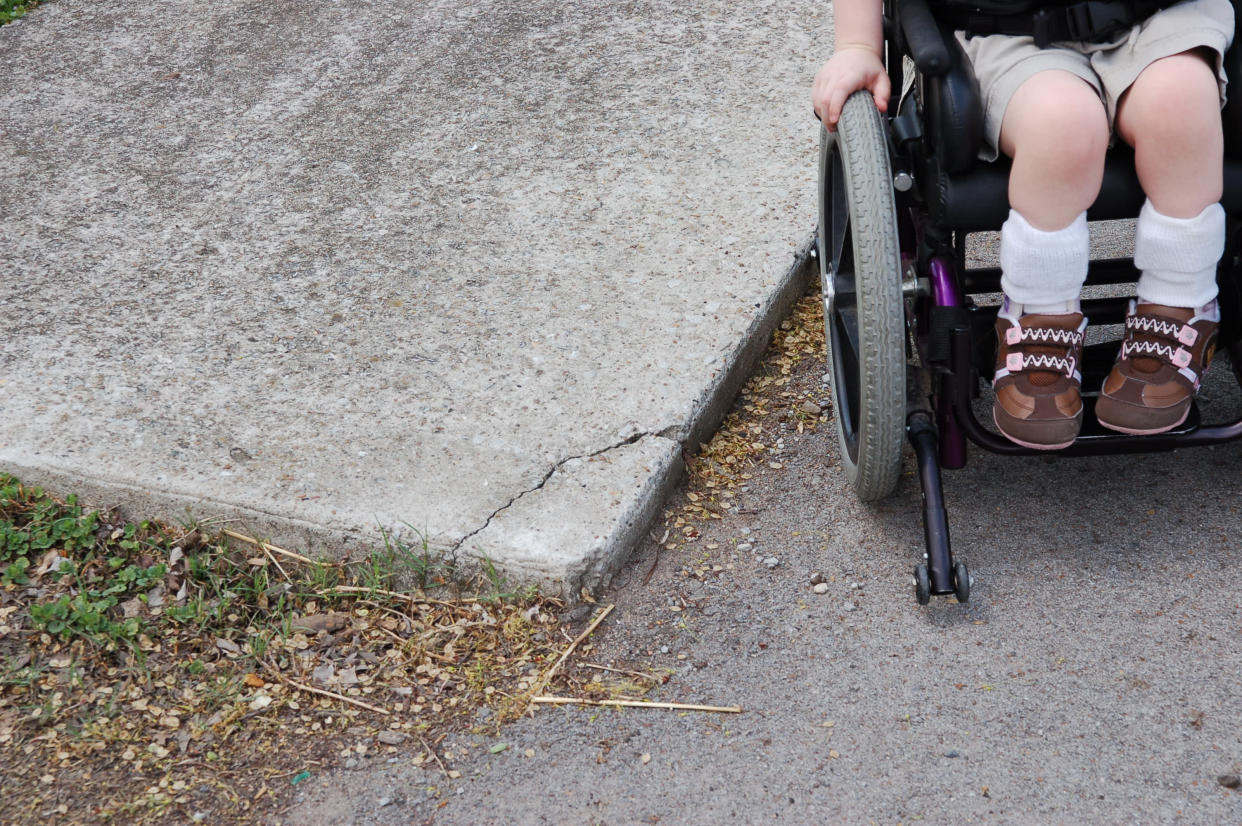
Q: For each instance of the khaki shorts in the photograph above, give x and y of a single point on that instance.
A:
(1004, 62)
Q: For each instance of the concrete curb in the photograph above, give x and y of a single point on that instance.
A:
(575, 529)
(568, 533)
(467, 276)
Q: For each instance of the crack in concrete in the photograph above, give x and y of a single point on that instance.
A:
(711, 408)
(453, 551)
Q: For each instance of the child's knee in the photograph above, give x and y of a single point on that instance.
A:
(1059, 114)
(1173, 97)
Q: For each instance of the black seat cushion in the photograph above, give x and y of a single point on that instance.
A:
(978, 198)
(1232, 113)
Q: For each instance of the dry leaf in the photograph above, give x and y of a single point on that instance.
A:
(228, 646)
(315, 623)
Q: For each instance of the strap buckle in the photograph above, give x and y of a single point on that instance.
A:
(1042, 25)
(1098, 20)
(1090, 20)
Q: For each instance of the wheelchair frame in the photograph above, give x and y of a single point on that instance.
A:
(908, 345)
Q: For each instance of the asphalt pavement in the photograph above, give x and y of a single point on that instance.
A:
(1095, 676)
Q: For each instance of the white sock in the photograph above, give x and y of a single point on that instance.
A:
(1044, 271)
(1178, 256)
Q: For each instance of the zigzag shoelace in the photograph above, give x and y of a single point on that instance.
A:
(1020, 361)
(1058, 364)
(1152, 324)
(1050, 335)
(1179, 357)
(1155, 349)
(1175, 353)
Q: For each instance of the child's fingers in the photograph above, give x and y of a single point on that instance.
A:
(836, 102)
(881, 90)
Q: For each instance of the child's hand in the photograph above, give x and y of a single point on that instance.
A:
(850, 69)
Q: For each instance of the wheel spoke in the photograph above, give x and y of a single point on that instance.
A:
(845, 341)
(840, 210)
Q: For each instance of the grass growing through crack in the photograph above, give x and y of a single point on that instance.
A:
(149, 672)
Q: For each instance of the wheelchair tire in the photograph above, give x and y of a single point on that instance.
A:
(961, 582)
(864, 318)
(922, 584)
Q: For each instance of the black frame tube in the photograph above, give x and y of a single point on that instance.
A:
(923, 439)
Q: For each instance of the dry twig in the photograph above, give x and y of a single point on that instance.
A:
(276, 562)
(414, 600)
(434, 756)
(565, 701)
(265, 546)
(543, 681)
(321, 692)
(623, 671)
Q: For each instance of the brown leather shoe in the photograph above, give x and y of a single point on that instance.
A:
(1037, 381)
(1163, 355)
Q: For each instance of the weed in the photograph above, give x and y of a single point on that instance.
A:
(38, 524)
(413, 562)
(258, 646)
(498, 585)
(10, 10)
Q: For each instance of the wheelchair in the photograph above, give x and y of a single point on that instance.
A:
(909, 325)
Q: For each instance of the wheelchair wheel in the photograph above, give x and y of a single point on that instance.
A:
(860, 269)
(922, 584)
(961, 582)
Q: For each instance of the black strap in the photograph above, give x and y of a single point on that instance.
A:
(1090, 20)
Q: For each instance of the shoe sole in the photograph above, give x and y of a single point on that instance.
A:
(1032, 445)
(1133, 431)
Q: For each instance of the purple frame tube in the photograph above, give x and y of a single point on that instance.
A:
(952, 440)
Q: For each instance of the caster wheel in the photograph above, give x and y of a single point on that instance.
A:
(922, 585)
(961, 582)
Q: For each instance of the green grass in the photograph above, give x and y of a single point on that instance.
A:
(12, 9)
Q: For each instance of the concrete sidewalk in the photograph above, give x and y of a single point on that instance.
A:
(473, 272)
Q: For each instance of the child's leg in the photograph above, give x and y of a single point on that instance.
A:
(1171, 116)
(1056, 131)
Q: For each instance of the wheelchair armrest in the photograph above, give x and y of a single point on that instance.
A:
(954, 108)
(922, 35)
